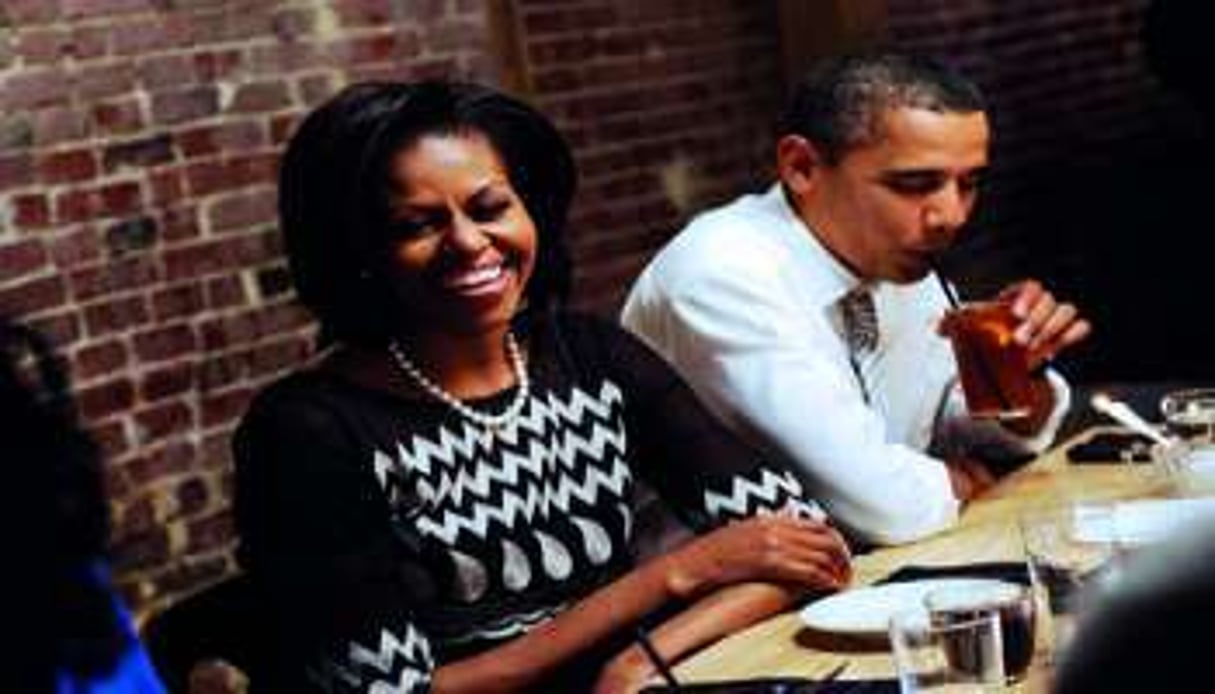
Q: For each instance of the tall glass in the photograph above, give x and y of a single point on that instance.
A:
(962, 657)
(992, 366)
(1011, 603)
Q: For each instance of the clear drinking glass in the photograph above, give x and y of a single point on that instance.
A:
(1012, 604)
(963, 657)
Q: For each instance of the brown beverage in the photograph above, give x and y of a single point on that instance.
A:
(1015, 606)
(993, 368)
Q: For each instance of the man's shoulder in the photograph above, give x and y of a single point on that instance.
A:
(719, 240)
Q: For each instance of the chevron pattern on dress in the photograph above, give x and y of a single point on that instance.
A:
(771, 491)
(394, 666)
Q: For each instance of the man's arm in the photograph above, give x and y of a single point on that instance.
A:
(765, 365)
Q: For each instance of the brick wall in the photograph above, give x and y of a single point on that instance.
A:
(668, 104)
(138, 148)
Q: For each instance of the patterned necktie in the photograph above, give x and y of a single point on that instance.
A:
(860, 321)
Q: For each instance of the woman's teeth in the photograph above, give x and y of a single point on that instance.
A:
(474, 277)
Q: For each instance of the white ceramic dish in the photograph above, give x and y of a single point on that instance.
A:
(867, 611)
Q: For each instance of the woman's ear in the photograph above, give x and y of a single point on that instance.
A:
(797, 162)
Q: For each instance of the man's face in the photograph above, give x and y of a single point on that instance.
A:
(889, 207)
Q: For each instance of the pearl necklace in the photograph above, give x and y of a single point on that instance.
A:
(490, 422)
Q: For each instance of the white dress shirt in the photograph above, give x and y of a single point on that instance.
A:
(744, 303)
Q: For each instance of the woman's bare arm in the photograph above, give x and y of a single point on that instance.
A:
(775, 548)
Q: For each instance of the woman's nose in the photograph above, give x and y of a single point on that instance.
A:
(465, 235)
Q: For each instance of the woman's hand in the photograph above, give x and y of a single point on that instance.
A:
(780, 548)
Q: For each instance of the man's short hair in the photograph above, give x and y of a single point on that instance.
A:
(837, 103)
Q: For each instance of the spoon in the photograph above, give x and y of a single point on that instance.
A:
(1122, 413)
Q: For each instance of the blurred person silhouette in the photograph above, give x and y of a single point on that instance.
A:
(808, 317)
(71, 634)
(1145, 629)
(444, 500)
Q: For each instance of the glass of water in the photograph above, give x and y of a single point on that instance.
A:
(964, 656)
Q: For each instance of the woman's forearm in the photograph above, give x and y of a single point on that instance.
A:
(718, 614)
(525, 660)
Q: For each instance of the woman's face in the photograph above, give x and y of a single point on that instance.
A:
(462, 245)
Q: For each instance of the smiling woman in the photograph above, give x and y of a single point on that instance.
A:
(444, 501)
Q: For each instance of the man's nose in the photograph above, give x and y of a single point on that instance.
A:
(947, 209)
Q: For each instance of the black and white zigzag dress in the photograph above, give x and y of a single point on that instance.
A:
(389, 535)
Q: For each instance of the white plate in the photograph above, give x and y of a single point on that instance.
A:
(867, 611)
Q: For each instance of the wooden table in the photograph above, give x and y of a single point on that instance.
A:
(986, 531)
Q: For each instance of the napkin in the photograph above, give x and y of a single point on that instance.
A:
(1012, 571)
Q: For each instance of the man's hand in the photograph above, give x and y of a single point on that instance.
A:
(1047, 326)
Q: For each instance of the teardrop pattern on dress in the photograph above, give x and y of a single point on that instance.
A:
(471, 580)
(595, 540)
(556, 558)
(516, 569)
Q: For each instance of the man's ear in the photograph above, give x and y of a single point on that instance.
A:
(797, 163)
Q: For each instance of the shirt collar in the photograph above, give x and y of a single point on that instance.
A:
(827, 279)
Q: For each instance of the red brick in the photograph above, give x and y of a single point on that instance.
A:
(142, 152)
(217, 371)
(174, 70)
(243, 210)
(213, 176)
(179, 224)
(211, 533)
(106, 81)
(192, 496)
(259, 97)
(226, 406)
(117, 482)
(111, 436)
(42, 45)
(107, 317)
(216, 448)
(173, 457)
(142, 550)
(31, 211)
(282, 127)
(162, 343)
(32, 296)
(166, 187)
(21, 258)
(186, 576)
(37, 88)
(62, 329)
(91, 9)
(30, 11)
(172, 108)
(162, 421)
(166, 382)
(139, 516)
(106, 398)
(67, 167)
(222, 255)
(16, 170)
(75, 247)
(100, 358)
(178, 301)
(111, 200)
(225, 292)
(212, 65)
(53, 126)
(118, 117)
(129, 273)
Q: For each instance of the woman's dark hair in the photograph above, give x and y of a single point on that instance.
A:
(59, 524)
(334, 187)
(837, 103)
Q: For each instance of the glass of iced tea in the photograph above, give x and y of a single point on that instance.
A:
(993, 367)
